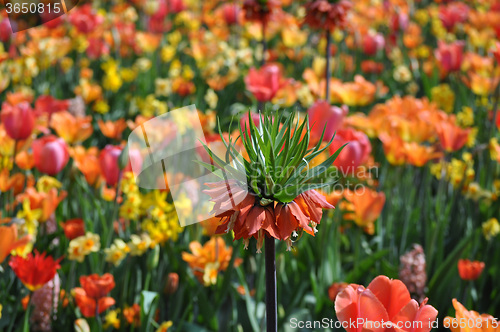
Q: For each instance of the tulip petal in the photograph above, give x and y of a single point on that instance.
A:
(393, 294)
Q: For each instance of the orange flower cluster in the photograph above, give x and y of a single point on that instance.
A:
(249, 218)
(409, 128)
(360, 92)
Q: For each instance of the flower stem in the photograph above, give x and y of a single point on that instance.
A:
(271, 302)
(327, 69)
(264, 44)
(493, 123)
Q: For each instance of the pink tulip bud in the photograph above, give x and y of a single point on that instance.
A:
(50, 154)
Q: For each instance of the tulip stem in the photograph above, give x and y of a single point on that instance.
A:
(327, 69)
(264, 44)
(271, 303)
(493, 123)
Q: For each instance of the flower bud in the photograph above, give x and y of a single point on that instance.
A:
(153, 258)
(172, 283)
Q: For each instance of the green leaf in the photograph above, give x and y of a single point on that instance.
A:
(447, 267)
(364, 267)
(149, 303)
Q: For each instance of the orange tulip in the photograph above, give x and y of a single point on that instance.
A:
(97, 286)
(14, 182)
(133, 315)
(112, 129)
(419, 155)
(46, 201)
(25, 160)
(70, 128)
(470, 270)
(9, 241)
(87, 305)
(73, 228)
(385, 305)
(335, 289)
(469, 321)
(93, 293)
(87, 162)
(451, 137)
(366, 207)
(394, 148)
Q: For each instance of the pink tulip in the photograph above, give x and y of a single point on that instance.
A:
(176, 6)
(399, 22)
(18, 120)
(324, 116)
(355, 153)
(450, 56)
(50, 154)
(244, 123)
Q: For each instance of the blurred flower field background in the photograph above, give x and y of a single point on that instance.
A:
(411, 86)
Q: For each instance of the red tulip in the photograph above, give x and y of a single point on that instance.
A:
(5, 30)
(470, 270)
(108, 160)
(176, 6)
(385, 305)
(399, 21)
(450, 56)
(97, 48)
(496, 52)
(34, 271)
(264, 83)
(18, 120)
(324, 116)
(231, 12)
(455, 12)
(372, 43)
(49, 105)
(85, 19)
(355, 153)
(50, 154)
